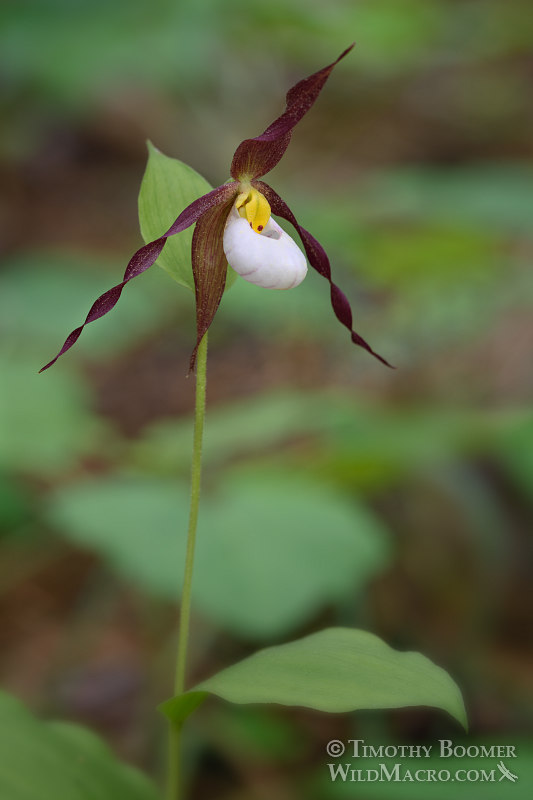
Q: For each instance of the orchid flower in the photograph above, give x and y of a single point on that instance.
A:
(234, 225)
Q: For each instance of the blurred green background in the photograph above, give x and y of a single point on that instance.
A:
(336, 491)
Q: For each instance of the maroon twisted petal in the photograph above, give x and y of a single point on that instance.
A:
(146, 257)
(255, 157)
(210, 267)
(318, 259)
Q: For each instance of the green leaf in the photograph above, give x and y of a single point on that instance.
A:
(256, 733)
(515, 448)
(44, 295)
(138, 526)
(49, 761)
(336, 670)
(15, 504)
(46, 424)
(237, 429)
(167, 188)
(489, 198)
(289, 547)
(377, 446)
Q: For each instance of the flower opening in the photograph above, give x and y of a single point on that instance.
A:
(268, 258)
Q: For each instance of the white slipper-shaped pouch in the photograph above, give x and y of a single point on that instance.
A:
(269, 258)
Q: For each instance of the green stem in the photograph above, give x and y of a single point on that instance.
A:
(174, 776)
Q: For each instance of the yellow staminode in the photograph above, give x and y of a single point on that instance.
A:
(254, 207)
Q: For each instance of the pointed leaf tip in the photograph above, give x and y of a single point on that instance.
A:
(335, 670)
